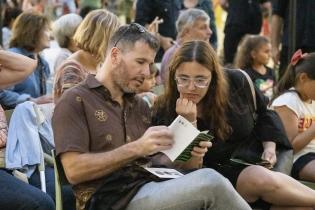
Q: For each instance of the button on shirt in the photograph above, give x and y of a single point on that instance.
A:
(87, 120)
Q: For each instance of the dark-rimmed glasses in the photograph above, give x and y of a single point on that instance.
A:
(132, 26)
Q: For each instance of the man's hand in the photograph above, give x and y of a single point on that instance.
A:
(187, 109)
(154, 26)
(154, 140)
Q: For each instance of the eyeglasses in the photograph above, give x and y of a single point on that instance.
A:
(198, 82)
(132, 27)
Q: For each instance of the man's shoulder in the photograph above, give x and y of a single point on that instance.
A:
(79, 90)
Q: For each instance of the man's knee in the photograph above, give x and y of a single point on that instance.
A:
(211, 181)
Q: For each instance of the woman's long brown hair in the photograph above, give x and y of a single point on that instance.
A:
(214, 103)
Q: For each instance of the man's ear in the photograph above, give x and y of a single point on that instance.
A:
(115, 55)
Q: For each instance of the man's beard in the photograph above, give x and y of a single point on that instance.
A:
(120, 77)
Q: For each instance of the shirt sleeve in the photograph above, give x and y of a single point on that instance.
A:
(71, 132)
(10, 98)
(290, 100)
(67, 76)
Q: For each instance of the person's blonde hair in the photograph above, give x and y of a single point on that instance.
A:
(94, 32)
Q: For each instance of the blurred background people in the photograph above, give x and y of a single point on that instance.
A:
(10, 15)
(304, 30)
(30, 35)
(243, 17)
(192, 24)
(63, 31)
(253, 55)
(91, 37)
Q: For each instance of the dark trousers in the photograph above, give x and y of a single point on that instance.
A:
(17, 195)
(231, 40)
(68, 198)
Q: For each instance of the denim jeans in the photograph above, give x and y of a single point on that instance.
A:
(17, 195)
(202, 189)
(68, 198)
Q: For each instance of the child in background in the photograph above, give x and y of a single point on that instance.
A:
(145, 90)
(295, 105)
(253, 56)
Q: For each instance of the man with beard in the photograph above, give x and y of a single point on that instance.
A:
(102, 135)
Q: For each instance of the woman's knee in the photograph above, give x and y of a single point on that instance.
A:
(258, 179)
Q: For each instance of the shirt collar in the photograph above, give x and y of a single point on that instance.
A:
(93, 83)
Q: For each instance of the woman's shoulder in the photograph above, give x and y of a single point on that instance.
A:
(235, 77)
(288, 97)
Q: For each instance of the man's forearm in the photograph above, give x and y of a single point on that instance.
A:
(82, 167)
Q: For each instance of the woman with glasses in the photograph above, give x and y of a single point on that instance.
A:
(215, 99)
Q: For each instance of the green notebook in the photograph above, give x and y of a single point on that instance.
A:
(186, 154)
(186, 136)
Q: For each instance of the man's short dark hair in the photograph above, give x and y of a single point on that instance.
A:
(126, 37)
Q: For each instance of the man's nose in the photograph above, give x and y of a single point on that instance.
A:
(146, 70)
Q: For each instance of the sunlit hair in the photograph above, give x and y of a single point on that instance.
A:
(27, 30)
(243, 58)
(95, 31)
(215, 101)
(292, 73)
(65, 27)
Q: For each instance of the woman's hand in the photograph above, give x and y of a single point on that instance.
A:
(197, 153)
(187, 109)
(269, 153)
(201, 150)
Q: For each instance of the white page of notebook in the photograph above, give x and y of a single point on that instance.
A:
(184, 133)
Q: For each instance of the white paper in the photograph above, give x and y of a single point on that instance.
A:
(165, 172)
(184, 133)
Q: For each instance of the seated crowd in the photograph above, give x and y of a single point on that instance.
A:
(109, 128)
